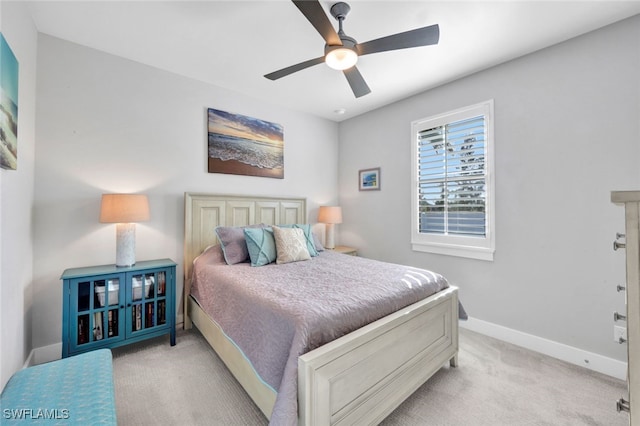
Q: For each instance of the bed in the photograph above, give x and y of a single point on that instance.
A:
(358, 378)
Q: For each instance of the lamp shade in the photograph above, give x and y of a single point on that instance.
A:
(330, 214)
(124, 208)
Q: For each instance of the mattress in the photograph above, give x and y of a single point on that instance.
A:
(277, 312)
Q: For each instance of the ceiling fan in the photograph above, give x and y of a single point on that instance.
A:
(341, 52)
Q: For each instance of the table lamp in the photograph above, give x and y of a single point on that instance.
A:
(330, 215)
(124, 210)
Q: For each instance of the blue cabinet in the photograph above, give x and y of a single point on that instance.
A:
(107, 306)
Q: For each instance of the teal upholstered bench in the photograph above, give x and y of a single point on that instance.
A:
(74, 390)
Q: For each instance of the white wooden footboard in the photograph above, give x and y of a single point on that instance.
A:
(363, 376)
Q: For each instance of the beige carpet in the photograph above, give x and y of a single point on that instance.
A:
(495, 384)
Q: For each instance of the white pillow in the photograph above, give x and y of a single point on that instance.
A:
(291, 245)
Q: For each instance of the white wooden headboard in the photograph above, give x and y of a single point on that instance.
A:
(204, 212)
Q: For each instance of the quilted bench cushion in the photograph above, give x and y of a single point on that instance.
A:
(74, 390)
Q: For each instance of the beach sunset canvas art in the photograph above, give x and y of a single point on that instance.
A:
(8, 107)
(242, 145)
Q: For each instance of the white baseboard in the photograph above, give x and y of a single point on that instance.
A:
(29, 361)
(582, 358)
(44, 354)
(602, 364)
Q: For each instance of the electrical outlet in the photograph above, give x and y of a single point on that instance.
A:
(619, 334)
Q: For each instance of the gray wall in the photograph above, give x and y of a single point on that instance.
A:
(107, 124)
(567, 132)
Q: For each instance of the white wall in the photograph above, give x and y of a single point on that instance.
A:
(567, 133)
(16, 198)
(106, 124)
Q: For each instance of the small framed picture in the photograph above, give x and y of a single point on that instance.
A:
(369, 179)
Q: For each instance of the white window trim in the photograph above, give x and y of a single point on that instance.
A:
(482, 248)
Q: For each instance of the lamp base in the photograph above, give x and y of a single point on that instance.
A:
(330, 236)
(125, 244)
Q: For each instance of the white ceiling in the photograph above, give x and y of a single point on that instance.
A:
(232, 44)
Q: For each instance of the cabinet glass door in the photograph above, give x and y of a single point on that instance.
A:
(97, 304)
(148, 301)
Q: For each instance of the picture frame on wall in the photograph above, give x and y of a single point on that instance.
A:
(243, 145)
(9, 72)
(369, 179)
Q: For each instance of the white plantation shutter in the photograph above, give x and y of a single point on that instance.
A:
(452, 205)
(452, 178)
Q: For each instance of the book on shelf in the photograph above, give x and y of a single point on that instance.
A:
(161, 312)
(136, 312)
(149, 318)
(83, 329)
(112, 323)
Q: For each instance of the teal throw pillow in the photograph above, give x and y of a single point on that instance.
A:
(261, 245)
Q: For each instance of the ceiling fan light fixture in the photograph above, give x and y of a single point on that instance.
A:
(341, 51)
(341, 58)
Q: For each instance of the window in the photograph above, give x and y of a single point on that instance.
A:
(453, 188)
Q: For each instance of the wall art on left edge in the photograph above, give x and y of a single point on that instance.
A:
(242, 145)
(8, 107)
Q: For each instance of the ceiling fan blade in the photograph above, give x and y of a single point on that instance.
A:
(294, 68)
(356, 81)
(313, 11)
(424, 36)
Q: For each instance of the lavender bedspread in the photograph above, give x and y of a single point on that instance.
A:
(276, 313)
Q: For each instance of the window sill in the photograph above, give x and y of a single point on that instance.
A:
(470, 252)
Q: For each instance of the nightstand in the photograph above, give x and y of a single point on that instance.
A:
(108, 306)
(346, 250)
